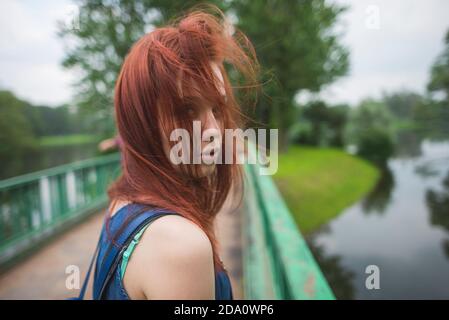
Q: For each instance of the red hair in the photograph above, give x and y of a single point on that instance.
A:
(166, 71)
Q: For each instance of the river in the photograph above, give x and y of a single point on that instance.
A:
(401, 227)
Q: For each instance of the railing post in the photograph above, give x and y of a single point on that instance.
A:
(45, 200)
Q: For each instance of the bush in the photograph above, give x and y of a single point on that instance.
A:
(375, 145)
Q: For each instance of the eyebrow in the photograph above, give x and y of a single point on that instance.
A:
(199, 101)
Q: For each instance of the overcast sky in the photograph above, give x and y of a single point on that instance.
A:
(392, 44)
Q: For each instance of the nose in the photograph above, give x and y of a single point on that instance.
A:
(212, 122)
(212, 128)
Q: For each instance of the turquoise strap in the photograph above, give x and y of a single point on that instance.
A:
(129, 251)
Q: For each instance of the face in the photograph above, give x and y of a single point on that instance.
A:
(212, 127)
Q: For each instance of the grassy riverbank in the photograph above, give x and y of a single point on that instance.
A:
(318, 183)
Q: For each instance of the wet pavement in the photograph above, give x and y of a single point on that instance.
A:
(43, 274)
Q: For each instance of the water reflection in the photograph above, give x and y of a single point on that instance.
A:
(379, 198)
(408, 144)
(339, 278)
(407, 238)
(438, 203)
(426, 171)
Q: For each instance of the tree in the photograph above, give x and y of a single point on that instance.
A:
(101, 37)
(297, 46)
(324, 125)
(437, 118)
(16, 134)
(294, 40)
(402, 104)
(439, 77)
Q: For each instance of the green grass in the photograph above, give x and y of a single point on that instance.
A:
(318, 183)
(73, 139)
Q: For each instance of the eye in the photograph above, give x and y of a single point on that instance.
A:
(217, 112)
(191, 111)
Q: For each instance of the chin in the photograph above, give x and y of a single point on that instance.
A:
(206, 170)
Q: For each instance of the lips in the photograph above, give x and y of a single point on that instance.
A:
(210, 154)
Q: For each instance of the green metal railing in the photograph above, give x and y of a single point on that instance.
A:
(37, 205)
(277, 261)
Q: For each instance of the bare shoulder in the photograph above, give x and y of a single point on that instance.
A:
(177, 233)
(173, 260)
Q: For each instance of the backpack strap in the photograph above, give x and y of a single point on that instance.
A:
(105, 270)
(86, 279)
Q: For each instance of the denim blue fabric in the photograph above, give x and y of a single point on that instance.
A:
(114, 289)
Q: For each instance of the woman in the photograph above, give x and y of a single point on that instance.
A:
(171, 77)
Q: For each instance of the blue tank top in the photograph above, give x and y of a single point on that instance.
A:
(114, 288)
